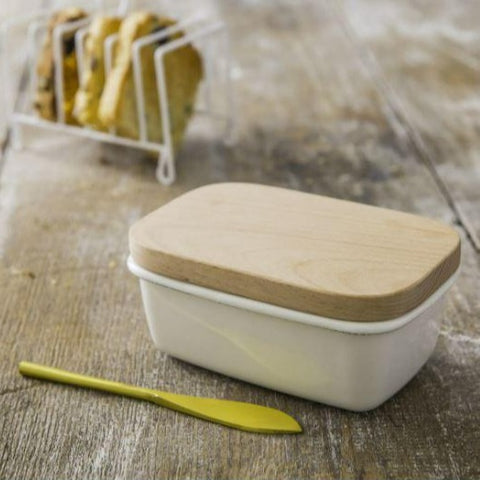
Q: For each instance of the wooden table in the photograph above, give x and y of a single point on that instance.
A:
(373, 101)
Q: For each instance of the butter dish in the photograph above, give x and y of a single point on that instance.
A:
(329, 300)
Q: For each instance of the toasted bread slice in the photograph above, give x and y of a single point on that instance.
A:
(183, 72)
(45, 101)
(92, 80)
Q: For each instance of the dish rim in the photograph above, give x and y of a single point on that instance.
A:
(344, 326)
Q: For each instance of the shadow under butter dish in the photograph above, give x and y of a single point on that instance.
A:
(329, 300)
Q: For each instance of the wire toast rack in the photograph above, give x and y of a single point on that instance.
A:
(209, 37)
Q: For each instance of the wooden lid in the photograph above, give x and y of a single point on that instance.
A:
(310, 253)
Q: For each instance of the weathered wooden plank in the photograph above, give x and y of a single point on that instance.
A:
(428, 52)
(310, 118)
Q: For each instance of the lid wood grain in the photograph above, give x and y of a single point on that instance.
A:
(306, 252)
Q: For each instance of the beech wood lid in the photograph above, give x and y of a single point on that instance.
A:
(301, 251)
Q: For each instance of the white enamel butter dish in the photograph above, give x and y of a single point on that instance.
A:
(325, 299)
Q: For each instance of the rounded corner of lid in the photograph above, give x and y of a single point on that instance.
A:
(133, 232)
(458, 240)
(207, 188)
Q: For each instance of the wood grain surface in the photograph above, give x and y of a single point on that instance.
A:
(305, 252)
(317, 105)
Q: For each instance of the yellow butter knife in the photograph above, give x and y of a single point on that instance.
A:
(241, 415)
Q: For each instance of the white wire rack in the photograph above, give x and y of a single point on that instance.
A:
(209, 37)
